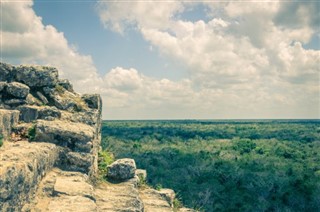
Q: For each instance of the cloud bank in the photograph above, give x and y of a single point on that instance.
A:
(244, 59)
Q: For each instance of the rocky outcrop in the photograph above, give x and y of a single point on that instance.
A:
(35, 107)
(49, 159)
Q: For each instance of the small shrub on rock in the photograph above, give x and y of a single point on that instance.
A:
(32, 132)
(105, 158)
(1, 140)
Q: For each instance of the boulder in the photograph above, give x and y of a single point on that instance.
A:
(28, 113)
(122, 169)
(8, 118)
(37, 76)
(18, 90)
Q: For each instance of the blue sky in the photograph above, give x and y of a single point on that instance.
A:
(176, 59)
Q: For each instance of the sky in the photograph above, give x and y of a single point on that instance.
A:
(163, 59)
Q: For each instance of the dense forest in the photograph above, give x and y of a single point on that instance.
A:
(235, 165)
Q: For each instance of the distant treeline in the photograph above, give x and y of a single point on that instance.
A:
(226, 165)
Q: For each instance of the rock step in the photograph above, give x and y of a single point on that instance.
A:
(154, 201)
(122, 196)
(22, 166)
(63, 191)
(71, 191)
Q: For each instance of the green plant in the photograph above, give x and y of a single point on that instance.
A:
(158, 187)
(1, 140)
(105, 158)
(32, 132)
(177, 204)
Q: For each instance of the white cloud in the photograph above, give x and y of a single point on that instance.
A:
(25, 39)
(247, 55)
(248, 61)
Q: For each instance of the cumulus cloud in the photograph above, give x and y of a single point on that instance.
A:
(247, 61)
(250, 54)
(25, 39)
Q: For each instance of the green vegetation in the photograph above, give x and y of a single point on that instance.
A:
(1, 140)
(32, 132)
(271, 165)
(105, 158)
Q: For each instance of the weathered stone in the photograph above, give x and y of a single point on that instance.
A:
(122, 196)
(74, 185)
(49, 113)
(42, 98)
(23, 165)
(154, 201)
(80, 162)
(66, 85)
(122, 169)
(93, 100)
(75, 136)
(90, 117)
(28, 113)
(37, 76)
(142, 174)
(2, 85)
(6, 72)
(8, 118)
(31, 100)
(168, 195)
(69, 101)
(17, 89)
(14, 102)
(72, 204)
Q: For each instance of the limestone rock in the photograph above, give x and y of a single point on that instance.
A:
(75, 136)
(49, 113)
(122, 169)
(14, 102)
(66, 84)
(28, 113)
(2, 85)
(18, 90)
(6, 72)
(92, 100)
(78, 161)
(115, 197)
(72, 204)
(154, 201)
(168, 195)
(22, 167)
(142, 174)
(8, 118)
(31, 100)
(75, 185)
(42, 98)
(37, 76)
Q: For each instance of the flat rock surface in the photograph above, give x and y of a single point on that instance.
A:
(22, 166)
(119, 196)
(154, 201)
